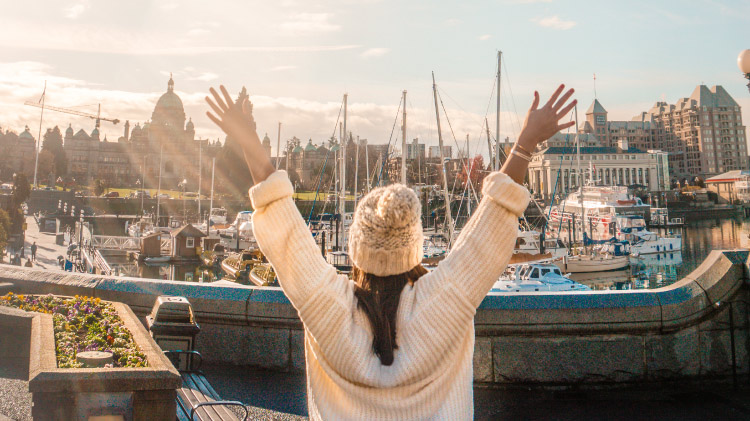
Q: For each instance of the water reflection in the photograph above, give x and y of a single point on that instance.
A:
(659, 270)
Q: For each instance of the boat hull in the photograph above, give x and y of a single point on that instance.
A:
(593, 264)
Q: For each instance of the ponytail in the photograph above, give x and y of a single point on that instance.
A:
(378, 297)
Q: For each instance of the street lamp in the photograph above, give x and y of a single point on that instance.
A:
(183, 184)
(743, 62)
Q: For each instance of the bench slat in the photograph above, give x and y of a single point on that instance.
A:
(198, 390)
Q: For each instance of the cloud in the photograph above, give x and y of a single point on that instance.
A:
(76, 10)
(90, 38)
(309, 22)
(374, 52)
(301, 117)
(282, 68)
(484, 37)
(198, 31)
(453, 22)
(554, 22)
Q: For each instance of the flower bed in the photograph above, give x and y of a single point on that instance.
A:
(83, 324)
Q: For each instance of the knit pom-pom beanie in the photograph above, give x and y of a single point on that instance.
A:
(386, 235)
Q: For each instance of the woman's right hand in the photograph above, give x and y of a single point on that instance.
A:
(235, 119)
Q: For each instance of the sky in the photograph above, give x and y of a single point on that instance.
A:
(297, 59)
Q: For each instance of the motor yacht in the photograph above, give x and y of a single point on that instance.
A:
(535, 277)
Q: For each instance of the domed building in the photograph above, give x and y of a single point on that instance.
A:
(18, 153)
(137, 153)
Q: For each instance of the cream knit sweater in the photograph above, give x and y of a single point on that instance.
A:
(431, 376)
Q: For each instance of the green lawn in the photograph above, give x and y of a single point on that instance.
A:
(310, 195)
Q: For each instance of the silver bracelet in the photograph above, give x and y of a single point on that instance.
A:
(520, 155)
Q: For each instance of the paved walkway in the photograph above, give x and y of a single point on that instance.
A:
(47, 251)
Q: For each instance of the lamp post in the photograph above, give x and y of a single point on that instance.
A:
(183, 184)
(743, 62)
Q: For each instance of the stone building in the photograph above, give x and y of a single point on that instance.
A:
(553, 170)
(703, 134)
(17, 153)
(137, 153)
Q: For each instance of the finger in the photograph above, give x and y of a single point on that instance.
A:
(554, 96)
(536, 101)
(563, 99)
(247, 107)
(215, 120)
(219, 101)
(216, 109)
(230, 102)
(564, 126)
(567, 109)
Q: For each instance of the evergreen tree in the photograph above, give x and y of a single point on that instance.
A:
(53, 142)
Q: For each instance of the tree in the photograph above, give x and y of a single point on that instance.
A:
(21, 190)
(99, 187)
(473, 171)
(53, 142)
(4, 231)
(46, 166)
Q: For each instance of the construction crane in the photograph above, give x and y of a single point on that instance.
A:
(96, 116)
(40, 104)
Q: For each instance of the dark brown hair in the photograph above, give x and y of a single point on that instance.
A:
(378, 297)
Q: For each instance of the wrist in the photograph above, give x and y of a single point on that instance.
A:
(527, 142)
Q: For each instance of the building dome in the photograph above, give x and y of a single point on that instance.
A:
(266, 140)
(69, 131)
(189, 125)
(297, 149)
(169, 110)
(95, 133)
(310, 147)
(26, 135)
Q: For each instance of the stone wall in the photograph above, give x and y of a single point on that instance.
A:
(15, 342)
(695, 328)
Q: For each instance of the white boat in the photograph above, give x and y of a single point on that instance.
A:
(535, 277)
(632, 228)
(602, 204)
(660, 218)
(157, 260)
(742, 187)
(593, 263)
(140, 228)
(528, 242)
(218, 216)
(239, 235)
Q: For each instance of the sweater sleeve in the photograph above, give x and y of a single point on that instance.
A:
(286, 241)
(482, 251)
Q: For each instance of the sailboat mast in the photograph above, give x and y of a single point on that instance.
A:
(448, 216)
(39, 138)
(356, 173)
(403, 141)
(211, 206)
(278, 146)
(367, 166)
(580, 174)
(158, 190)
(342, 198)
(496, 166)
(200, 179)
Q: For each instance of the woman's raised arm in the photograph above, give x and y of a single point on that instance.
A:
(236, 120)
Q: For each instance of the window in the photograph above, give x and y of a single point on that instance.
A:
(190, 243)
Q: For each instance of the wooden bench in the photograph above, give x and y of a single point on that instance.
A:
(197, 400)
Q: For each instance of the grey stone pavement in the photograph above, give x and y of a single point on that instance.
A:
(47, 250)
(281, 396)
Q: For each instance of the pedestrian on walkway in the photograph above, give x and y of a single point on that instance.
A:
(33, 251)
(28, 263)
(396, 341)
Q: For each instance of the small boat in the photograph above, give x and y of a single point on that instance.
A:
(140, 228)
(603, 262)
(632, 228)
(535, 277)
(529, 242)
(263, 275)
(237, 266)
(157, 260)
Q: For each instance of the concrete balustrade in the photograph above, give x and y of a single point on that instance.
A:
(600, 337)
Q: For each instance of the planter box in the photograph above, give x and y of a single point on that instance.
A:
(79, 393)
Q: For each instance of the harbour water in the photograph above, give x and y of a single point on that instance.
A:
(699, 238)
